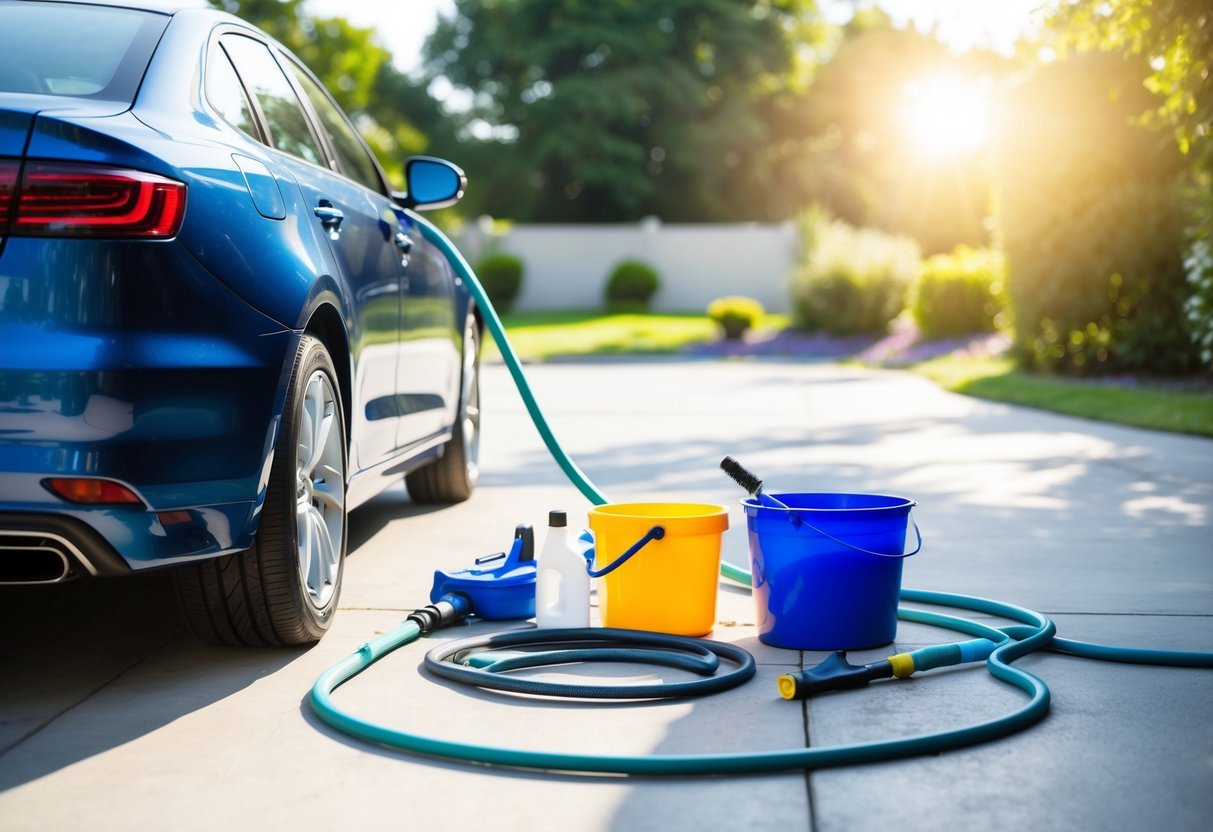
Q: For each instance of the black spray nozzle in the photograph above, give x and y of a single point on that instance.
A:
(834, 673)
(741, 475)
(748, 480)
(449, 609)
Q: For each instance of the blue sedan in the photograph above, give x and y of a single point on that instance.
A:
(220, 330)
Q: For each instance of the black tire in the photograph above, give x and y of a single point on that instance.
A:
(284, 590)
(453, 476)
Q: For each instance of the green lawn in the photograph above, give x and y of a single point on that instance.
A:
(538, 336)
(1141, 404)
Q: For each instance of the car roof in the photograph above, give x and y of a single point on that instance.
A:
(164, 6)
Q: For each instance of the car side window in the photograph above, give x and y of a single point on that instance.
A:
(226, 94)
(280, 107)
(355, 161)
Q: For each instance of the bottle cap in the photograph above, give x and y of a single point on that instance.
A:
(557, 519)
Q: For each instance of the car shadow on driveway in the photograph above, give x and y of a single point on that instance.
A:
(373, 516)
(93, 664)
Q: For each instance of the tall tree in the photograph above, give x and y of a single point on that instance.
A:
(387, 107)
(1176, 38)
(1092, 223)
(862, 167)
(608, 111)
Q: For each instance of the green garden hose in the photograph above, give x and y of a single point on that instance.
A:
(1033, 632)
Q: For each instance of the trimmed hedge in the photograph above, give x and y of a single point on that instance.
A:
(631, 285)
(852, 280)
(501, 276)
(958, 293)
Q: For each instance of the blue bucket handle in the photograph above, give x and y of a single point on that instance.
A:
(655, 533)
(917, 533)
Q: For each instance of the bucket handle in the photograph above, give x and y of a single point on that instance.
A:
(655, 533)
(917, 533)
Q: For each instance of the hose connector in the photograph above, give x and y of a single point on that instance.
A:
(447, 610)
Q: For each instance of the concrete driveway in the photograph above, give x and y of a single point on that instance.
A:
(111, 717)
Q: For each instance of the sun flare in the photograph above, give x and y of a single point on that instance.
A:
(945, 116)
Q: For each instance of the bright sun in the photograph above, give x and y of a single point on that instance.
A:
(945, 116)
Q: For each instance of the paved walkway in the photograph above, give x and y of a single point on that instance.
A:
(112, 718)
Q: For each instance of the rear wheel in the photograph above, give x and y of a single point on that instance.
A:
(284, 589)
(453, 476)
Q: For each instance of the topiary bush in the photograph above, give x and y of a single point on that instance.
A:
(631, 285)
(501, 276)
(852, 280)
(958, 293)
(735, 314)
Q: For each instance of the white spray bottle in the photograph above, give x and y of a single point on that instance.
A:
(562, 588)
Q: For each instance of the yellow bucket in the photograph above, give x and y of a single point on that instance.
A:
(669, 586)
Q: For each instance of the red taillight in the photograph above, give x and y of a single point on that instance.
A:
(67, 200)
(8, 186)
(90, 491)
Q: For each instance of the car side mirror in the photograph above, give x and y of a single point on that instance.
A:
(431, 183)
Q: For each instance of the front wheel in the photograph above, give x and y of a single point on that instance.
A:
(284, 589)
(453, 476)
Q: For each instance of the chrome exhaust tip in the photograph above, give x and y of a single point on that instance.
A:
(28, 558)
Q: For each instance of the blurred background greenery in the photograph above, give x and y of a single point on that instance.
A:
(1067, 179)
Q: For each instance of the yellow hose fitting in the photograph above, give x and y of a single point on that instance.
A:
(903, 665)
(787, 686)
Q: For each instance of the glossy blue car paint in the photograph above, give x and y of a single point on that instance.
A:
(164, 364)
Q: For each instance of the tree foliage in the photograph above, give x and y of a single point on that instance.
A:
(611, 111)
(1176, 38)
(860, 166)
(697, 110)
(395, 115)
(1092, 223)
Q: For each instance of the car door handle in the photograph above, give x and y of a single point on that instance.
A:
(330, 217)
(404, 242)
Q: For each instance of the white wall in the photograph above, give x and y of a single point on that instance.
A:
(566, 266)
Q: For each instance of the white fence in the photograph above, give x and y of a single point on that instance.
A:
(566, 266)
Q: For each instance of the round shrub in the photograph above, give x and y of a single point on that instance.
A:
(631, 285)
(501, 276)
(958, 293)
(852, 280)
(735, 314)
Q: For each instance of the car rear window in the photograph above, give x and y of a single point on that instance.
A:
(75, 50)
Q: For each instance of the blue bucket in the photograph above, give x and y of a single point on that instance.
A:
(827, 570)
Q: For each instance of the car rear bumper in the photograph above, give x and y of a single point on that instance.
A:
(130, 362)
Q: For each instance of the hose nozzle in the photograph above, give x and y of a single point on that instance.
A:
(834, 673)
